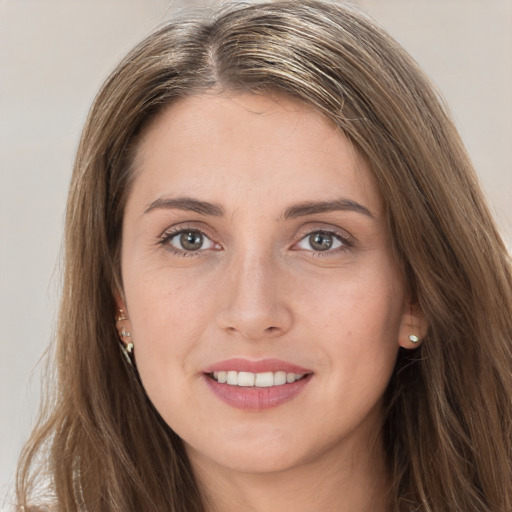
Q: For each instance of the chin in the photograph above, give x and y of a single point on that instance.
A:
(246, 456)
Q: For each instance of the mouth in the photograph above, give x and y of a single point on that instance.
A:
(258, 380)
(256, 385)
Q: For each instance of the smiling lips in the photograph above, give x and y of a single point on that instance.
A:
(256, 385)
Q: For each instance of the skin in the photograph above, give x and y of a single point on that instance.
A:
(256, 288)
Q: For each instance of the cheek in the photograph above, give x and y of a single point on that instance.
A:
(162, 303)
(358, 323)
(168, 320)
(365, 307)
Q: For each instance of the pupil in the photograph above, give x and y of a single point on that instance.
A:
(191, 241)
(320, 241)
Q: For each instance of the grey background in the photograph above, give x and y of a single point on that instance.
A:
(54, 55)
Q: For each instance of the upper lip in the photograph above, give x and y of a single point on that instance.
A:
(239, 364)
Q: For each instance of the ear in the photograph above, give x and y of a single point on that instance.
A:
(120, 303)
(413, 327)
(123, 324)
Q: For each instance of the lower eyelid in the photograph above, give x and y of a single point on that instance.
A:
(165, 240)
(342, 239)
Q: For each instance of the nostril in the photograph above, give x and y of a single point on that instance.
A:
(260, 320)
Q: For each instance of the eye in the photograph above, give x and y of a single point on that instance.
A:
(188, 240)
(322, 241)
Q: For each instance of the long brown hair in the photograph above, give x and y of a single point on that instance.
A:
(448, 430)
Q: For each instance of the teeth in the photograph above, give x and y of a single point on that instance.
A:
(259, 380)
(245, 379)
(280, 378)
(264, 380)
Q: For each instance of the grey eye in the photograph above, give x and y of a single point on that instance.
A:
(190, 240)
(320, 241)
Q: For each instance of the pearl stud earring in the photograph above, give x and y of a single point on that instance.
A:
(413, 338)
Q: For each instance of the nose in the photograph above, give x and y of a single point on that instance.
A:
(254, 302)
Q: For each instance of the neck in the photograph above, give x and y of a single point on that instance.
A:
(343, 482)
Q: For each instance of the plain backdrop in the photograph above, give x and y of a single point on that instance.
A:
(53, 57)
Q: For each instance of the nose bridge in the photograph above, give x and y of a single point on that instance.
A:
(255, 280)
(254, 305)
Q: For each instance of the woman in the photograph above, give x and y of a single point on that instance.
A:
(273, 217)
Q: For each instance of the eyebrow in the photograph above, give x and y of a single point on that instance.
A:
(310, 208)
(186, 203)
(292, 212)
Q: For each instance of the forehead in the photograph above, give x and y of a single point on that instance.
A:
(211, 143)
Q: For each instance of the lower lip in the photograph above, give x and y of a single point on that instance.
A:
(254, 398)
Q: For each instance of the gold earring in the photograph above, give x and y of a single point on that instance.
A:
(127, 352)
(127, 348)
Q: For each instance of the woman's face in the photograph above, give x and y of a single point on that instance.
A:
(264, 304)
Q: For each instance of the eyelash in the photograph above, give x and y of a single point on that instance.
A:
(173, 232)
(165, 239)
(346, 242)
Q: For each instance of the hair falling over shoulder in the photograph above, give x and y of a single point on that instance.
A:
(101, 446)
